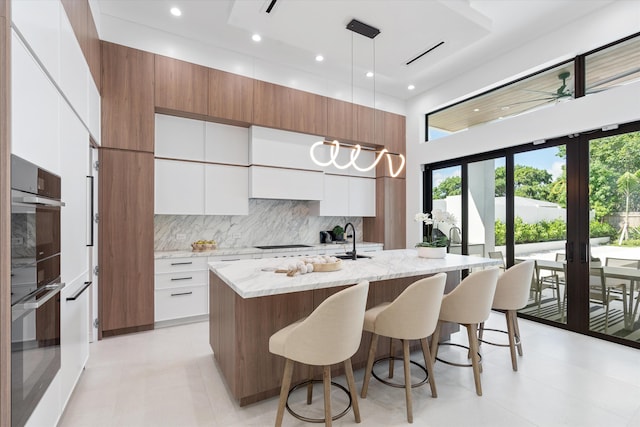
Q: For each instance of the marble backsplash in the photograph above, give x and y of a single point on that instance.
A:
(270, 222)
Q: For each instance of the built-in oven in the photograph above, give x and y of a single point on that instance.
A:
(35, 285)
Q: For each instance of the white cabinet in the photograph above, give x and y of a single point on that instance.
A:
(74, 334)
(179, 138)
(34, 110)
(94, 110)
(362, 196)
(39, 24)
(226, 144)
(74, 71)
(74, 217)
(288, 184)
(181, 288)
(226, 190)
(279, 148)
(179, 187)
(347, 196)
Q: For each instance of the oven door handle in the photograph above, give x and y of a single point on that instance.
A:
(31, 303)
(35, 200)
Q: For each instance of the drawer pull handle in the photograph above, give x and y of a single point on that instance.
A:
(182, 263)
(232, 259)
(173, 279)
(182, 293)
(77, 294)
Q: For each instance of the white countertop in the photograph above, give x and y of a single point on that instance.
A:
(247, 278)
(264, 253)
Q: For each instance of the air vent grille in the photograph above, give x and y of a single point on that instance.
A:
(271, 5)
(424, 53)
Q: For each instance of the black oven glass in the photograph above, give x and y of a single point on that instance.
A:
(35, 285)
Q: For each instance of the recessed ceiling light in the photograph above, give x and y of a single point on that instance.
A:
(411, 87)
(175, 11)
(476, 109)
(256, 37)
(369, 74)
(319, 58)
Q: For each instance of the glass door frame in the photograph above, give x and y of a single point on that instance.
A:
(577, 247)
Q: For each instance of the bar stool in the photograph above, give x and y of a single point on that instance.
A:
(329, 335)
(512, 293)
(413, 315)
(468, 304)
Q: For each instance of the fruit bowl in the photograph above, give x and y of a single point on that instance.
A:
(203, 246)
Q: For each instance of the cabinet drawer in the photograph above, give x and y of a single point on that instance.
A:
(171, 265)
(176, 303)
(180, 279)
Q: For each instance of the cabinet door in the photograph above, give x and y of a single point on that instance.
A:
(33, 96)
(179, 138)
(74, 217)
(226, 144)
(364, 124)
(179, 187)
(126, 241)
(340, 120)
(230, 96)
(287, 184)
(362, 196)
(180, 86)
(74, 335)
(74, 71)
(336, 196)
(285, 108)
(227, 190)
(127, 98)
(274, 147)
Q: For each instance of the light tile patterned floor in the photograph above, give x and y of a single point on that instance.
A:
(168, 377)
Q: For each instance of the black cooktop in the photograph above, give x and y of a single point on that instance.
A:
(282, 246)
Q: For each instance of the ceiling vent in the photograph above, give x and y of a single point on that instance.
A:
(424, 53)
(271, 6)
(363, 29)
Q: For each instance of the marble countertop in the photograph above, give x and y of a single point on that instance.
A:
(341, 247)
(249, 280)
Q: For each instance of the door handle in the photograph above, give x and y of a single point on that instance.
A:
(584, 250)
(569, 251)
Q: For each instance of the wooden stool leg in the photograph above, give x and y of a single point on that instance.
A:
(392, 353)
(367, 373)
(351, 382)
(480, 333)
(512, 344)
(517, 329)
(407, 379)
(310, 385)
(284, 390)
(472, 330)
(326, 380)
(434, 341)
(428, 363)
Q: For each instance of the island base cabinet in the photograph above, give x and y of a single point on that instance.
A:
(240, 329)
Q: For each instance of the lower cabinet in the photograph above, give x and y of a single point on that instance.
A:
(181, 288)
(74, 334)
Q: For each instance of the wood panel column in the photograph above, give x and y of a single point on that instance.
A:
(5, 214)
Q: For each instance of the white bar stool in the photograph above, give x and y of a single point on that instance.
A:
(331, 334)
(413, 315)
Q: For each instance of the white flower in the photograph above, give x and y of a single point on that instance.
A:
(424, 217)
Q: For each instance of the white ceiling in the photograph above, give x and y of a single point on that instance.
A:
(474, 32)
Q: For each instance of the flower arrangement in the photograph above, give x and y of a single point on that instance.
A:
(436, 217)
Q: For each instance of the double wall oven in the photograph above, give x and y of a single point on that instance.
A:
(35, 285)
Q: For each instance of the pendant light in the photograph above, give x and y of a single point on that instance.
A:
(370, 32)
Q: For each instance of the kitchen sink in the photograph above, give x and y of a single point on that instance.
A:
(345, 256)
(282, 246)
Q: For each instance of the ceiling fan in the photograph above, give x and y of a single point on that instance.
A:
(562, 92)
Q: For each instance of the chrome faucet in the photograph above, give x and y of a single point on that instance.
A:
(353, 252)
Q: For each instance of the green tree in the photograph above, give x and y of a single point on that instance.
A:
(531, 182)
(627, 184)
(451, 186)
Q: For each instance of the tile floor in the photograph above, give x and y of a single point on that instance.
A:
(168, 377)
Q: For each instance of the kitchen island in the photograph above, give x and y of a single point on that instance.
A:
(248, 302)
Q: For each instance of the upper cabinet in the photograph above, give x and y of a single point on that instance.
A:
(394, 139)
(180, 86)
(179, 138)
(340, 120)
(226, 144)
(273, 147)
(127, 98)
(290, 109)
(230, 97)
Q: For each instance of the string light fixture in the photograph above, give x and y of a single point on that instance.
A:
(371, 32)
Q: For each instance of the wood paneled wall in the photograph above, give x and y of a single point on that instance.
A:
(5, 214)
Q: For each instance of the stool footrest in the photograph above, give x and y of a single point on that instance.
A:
(389, 383)
(464, 365)
(517, 338)
(317, 420)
